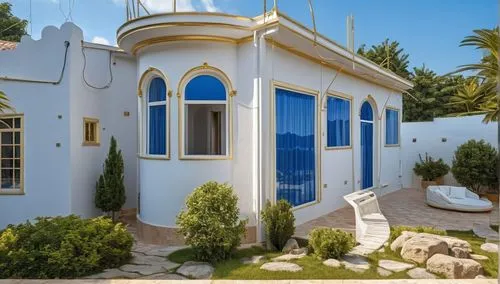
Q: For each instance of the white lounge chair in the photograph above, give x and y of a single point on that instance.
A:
(372, 228)
(456, 198)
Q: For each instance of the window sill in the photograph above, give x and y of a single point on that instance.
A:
(204, 157)
(328, 148)
(392, 145)
(12, 192)
(305, 205)
(91, 144)
(154, 157)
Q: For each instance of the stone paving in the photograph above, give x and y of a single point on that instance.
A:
(404, 207)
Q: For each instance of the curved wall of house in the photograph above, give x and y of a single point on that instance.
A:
(165, 184)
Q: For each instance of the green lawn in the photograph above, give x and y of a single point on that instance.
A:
(313, 267)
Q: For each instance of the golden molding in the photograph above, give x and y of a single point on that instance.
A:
(164, 39)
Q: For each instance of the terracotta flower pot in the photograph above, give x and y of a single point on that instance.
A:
(426, 183)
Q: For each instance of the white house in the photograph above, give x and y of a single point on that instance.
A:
(262, 103)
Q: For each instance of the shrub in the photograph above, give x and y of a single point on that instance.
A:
(279, 223)
(63, 247)
(330, 243)
(210, 224)
(475, 165)
(110, 190)
(430, 169)
(398, 230)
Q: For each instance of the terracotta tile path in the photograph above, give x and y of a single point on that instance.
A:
(404, 207)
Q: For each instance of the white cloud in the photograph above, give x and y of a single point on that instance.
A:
(100, 40)
(210, 6)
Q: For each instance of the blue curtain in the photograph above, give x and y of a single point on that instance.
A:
(391, 127)
(157, 118)
(338, 122)
(366, 154)
(295, 147)
(205, 88)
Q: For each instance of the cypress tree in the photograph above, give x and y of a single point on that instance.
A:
(110, 190)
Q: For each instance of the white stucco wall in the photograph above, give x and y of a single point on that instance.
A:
(61, 180)
(337, 165)
(456, 130)
(165, 184)
(47, 170)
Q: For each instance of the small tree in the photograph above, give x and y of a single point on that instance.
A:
(475, 165)
(279, 223)
(110, 190)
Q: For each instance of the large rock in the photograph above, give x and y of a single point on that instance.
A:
(281, 266)
(459, 252)
(394, 266)
(420, 248)
(420, 273)
(452, 242)
(290, 245)
(454, 268)
(401, 240)
(196, 270)
(490, 247)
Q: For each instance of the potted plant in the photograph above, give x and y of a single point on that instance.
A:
(432, 171)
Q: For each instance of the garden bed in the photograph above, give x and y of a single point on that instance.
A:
(313, 268)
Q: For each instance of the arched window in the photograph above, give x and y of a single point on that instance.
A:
(154, 126)
(156, 113)
(205, 111)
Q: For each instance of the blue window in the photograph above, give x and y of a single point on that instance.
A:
(391, 127)
(295, 147)
(205, 88)
(157, 117)
(338, 122)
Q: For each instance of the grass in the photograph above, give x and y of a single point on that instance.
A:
(313, 267)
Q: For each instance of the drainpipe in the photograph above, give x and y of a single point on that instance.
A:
(260, 45)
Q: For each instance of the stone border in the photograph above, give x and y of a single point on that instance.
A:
(156, 235)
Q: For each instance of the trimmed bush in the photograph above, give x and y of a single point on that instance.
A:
(63, 247)
(398, 230)
(279, 222)
(475, 165)
(330, 243)
(430, 169)
(211, 224)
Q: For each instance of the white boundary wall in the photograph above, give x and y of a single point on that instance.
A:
(429, 138)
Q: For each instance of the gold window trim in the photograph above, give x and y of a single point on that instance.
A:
(205, 69)
(20, 190)
(97, 134)
(346, 97)
(274, 84)
(399, 126)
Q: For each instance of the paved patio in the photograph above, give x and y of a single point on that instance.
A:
(404, 207)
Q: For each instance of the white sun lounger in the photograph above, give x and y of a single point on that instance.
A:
(456, 198)
(372, 228)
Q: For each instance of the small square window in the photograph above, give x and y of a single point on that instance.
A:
(91, 135)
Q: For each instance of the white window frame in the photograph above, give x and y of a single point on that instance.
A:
(183, 120)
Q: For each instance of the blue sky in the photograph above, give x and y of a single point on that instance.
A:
(429, 30)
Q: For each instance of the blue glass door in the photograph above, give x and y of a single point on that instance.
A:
(366, 146)
(295, 147)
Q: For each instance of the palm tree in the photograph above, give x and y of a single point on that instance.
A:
(389, 56)
(469, 97)
(486, 70)
(4, 102)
